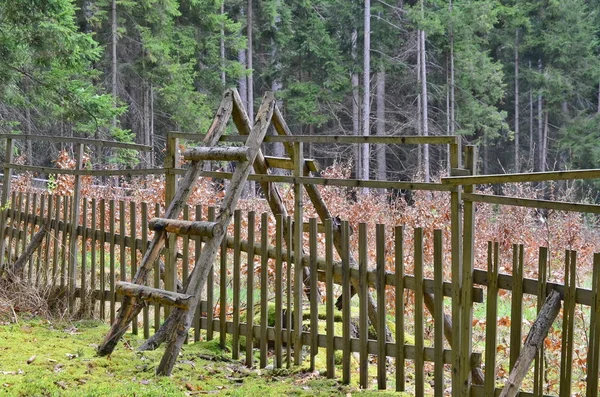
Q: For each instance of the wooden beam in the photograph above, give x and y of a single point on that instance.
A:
(217, 153)
(85, 141)
(535, 339)
(64, 171)
(287, 164)
(523, 177)
(186, 228)
(154, 295)
(530, 203)
(343, 139)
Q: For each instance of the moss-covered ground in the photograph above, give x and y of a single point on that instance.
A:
(39, 357)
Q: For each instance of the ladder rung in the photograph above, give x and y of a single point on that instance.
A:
(217, 153)
(155, 295)
(189, 228)
(287, 164)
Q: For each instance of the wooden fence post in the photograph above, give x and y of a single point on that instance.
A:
(456, 243)
(297, 244)
(171, 160)
(6, 180)
(465, 344)
(72, 282)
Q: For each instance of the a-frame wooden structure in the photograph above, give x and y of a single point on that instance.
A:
(176, 327)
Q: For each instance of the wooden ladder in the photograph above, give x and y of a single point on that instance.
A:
(136, 294)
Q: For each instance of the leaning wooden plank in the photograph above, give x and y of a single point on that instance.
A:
(179, 322)
(130, 306)
(35, 242)
(217, 153)
(154, 295)
(189, 228)
(535, 339)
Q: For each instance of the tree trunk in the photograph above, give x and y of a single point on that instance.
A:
(419, 107)
(426, 171)
(222, 47)
(540, 143)
(381, 155)
(367, 90)
(517, 159)
(531, 161)
(355, 104)
(114, 87)
(250, 104)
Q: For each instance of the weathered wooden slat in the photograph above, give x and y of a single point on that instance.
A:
(133, 230)
(535, 339)
(87, 141)
(314, 301)
(593, 359)
(530, 203)
(438, 314)
(288, 235)
(84, 172)
(381, 305)
(345, 139)
(522, 177)
(419, 317)
(399, 305)
(329, 300)
(237, 253)
(516, 311)
(538, 372)
(278, 287)
(210, 280)
(363, 317)
(568, 323)
(491, 321)
(112, 259)
(345, 231)
(250, 292)
(264, 304)
(189, 228)
(155, 295)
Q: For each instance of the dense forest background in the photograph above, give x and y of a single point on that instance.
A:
(521, 79)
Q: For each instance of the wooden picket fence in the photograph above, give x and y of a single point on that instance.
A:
(262, 305)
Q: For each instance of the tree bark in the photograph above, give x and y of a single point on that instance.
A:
(355, 104)
(426, 165)
(533, 343)
(222, 47)
(540, 121)
(114, 88)
(250, 104)
(366, 90)
(517, 159)
(381, 155)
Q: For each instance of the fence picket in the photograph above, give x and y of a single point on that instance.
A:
(399, 304)
(593, 358)
(63, 244)
(419, 331)
(491, 320)
(94, 230)
(40, 250)
(111, 258)
(516, 311)
(157, 306)
(237, 253)
(264, 304)
(250, 292)
(83, 291)
(538, 371)
(279, 287)
(144, 227)
(210, 292)
(133, 253)
(363, 317)
(209, 284)
(102, 259)
(17, 226)
(223, 295)
(34, 223)
(314, 304)
(25, 227)
(345, 302)
(288, 287)
(55, 240)
(438, 314)
(330, 326)
(566, 356)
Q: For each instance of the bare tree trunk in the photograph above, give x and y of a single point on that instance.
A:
(381, 158)
(114, 87)
(151, 130)
(367, 90)
(222, 47)
(426, 171)
(531, 161)
(544, 148)
(242, 83)
(540, 125)
(30, 132)
(355, 104)
(250, 104)
(419, 106)
(517, 160)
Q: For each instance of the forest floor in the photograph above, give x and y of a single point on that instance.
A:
(41, 357)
